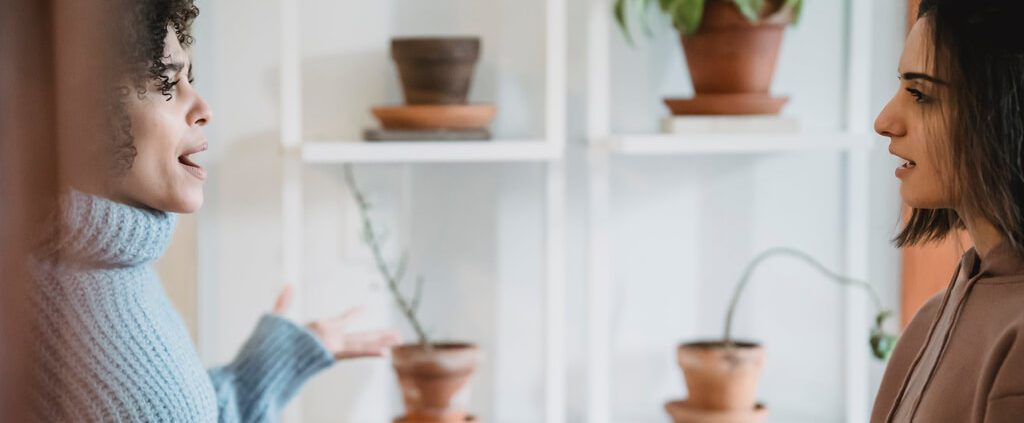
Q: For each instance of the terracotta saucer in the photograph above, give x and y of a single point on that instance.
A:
(727, 104)
(468, 419)
(435, 116)
(682, 412)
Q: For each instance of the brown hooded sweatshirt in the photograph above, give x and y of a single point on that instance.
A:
(961, 359)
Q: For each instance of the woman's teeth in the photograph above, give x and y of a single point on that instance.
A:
(908, 164)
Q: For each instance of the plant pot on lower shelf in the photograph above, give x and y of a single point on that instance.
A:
(721, 381)
(435, 383)
(722, 377)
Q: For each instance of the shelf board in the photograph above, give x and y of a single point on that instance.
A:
(429, 151)
(704, 144)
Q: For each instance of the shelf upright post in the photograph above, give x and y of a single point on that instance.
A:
(856, 168)
(291, 184)
(555, 212)
(599, 267)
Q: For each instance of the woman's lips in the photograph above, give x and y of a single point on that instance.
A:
(192, 167)
(905, 168)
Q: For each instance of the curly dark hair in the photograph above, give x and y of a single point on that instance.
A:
(140, 62)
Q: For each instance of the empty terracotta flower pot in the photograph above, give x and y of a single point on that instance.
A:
(435, 384)
(719, 377)
(436, 70)
(729, 54)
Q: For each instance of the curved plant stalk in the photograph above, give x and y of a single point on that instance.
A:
(392, 278)
(881, 342)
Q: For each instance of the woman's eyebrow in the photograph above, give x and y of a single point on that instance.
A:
(174, 66)
(910, 76)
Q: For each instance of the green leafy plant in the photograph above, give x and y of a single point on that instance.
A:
(393, 275)
(687, 15)
(881, 342)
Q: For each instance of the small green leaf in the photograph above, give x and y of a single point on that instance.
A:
(751, 9)
(687, 15)
(882, 345)
(797, 6)
(620, 18)
(645, 21)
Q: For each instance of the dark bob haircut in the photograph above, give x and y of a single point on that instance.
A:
(978, 48)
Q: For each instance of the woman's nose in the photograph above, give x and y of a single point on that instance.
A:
(888, 123)
(201, 114)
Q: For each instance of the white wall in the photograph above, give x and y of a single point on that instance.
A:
(683, 226)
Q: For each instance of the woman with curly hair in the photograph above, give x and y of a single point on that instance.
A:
(110, 345)
(957, 123)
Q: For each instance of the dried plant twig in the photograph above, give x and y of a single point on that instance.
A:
(392, 277)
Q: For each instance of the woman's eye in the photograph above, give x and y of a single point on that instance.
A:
(919, 97)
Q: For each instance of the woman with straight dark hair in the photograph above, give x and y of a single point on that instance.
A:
(957, 122)
(108, 344)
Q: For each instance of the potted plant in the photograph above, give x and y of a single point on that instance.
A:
(434, 376)
(731, 49)
(435, 70)
(722, 375)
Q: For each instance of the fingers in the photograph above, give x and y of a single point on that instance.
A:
(284, 299)
(369, 344)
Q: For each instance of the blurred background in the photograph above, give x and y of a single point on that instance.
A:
(579, 258)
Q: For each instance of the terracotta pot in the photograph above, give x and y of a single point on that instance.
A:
(683, 412)
(435, 384)
(720, 378)
(729, 55)
(435, 70)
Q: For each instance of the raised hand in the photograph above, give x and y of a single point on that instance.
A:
(336, 336)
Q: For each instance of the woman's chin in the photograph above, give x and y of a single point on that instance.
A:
(192, 205)
(917, 201)
(185, 203)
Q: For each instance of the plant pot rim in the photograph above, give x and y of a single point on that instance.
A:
(437, 39)
(436, 49)
(440, 346)
(720, 344)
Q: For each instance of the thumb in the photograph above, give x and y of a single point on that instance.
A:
(284, 299)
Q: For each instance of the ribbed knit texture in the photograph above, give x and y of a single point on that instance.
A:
(112, 348)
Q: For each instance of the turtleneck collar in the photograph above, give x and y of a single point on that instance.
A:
(97, 231)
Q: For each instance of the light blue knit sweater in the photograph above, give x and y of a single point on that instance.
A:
(112, 348)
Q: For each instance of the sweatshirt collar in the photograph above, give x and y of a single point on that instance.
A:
(1002, 260)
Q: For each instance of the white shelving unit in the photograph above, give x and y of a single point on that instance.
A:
(853, 143)
(430, 152)
(547, 150)
(641, 145)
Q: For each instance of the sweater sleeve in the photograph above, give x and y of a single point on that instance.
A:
(270, 368)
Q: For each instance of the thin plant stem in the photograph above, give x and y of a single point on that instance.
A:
(391, 278)
(745, 279)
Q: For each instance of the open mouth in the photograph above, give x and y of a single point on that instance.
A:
(191, 166)
(905, 166)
